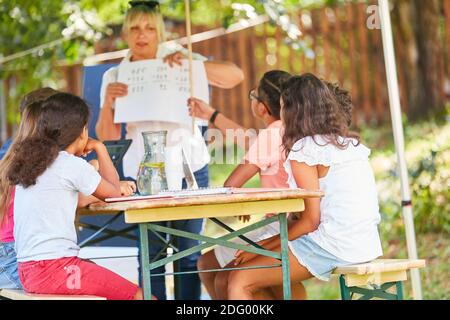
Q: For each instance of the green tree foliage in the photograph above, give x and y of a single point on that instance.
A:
(68, 29)
(64, 30)
(428, 157)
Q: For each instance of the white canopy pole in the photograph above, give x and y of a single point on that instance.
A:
(397, 127)
(189, 41)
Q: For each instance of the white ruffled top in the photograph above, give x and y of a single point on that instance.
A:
(349, 211)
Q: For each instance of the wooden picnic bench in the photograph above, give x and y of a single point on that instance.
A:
(374, 279)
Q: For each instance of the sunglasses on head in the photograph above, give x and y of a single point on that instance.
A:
(149, 4)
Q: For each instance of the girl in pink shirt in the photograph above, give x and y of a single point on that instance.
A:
(7, 228)
(9, 278)
(30, 110)
(265, 157)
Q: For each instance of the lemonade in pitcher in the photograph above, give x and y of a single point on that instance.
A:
(151, 178)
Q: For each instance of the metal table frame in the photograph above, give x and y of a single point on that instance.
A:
(144, 217)
(207, 242)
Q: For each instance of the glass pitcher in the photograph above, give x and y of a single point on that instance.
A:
(151, 178)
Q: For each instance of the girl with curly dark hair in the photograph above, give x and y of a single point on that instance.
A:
(336, 230)
(48, 175)
(344, 98)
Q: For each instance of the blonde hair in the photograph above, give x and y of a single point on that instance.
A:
(135, 14)
(27, 128)
(34, 96)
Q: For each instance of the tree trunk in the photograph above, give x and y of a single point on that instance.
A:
(407, 55)
(430, 63)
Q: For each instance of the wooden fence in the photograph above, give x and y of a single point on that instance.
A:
(345, 51)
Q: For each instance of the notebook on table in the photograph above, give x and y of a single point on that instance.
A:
(197, 192)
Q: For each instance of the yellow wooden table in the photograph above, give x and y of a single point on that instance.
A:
(147, 212)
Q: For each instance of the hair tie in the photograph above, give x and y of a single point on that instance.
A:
(149, 4)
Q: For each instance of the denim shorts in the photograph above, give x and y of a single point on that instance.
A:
(9, 277)
(319, 262)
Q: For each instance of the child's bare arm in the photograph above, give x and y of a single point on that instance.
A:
(202, 110)
(84, 201)
(109, 185)
(306, 177)
(127, 188)
(241, 174)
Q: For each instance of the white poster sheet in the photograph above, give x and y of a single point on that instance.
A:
(158, 92)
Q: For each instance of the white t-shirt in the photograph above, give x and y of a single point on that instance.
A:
(349, 212)
(178, 136)
(44, 214)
